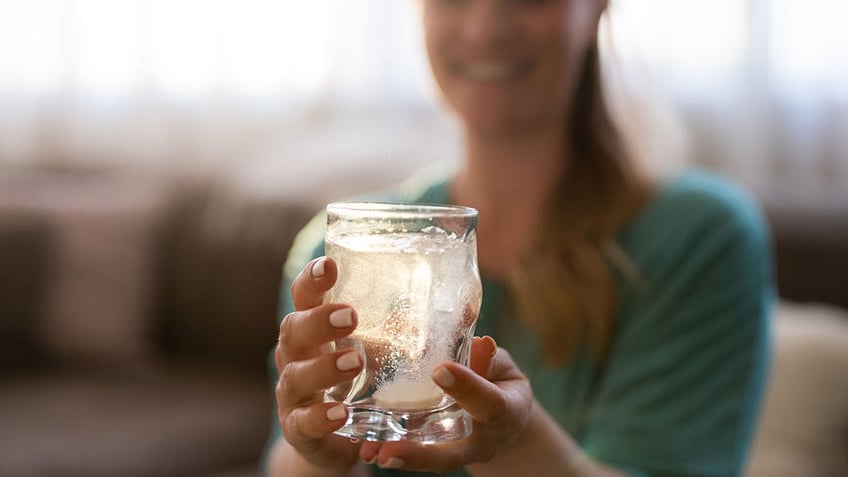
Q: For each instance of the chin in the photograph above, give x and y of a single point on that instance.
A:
(493, 116)
(488, 125)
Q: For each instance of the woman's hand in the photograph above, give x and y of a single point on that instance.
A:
(306, 370)
(496, 395)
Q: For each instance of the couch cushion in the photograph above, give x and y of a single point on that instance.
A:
(226, 240)
(811, 249)
(803, 428)
(219, 271)
(97, 302)
(175, 423)
(24, 260)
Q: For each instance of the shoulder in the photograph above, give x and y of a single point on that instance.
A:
(700, 242)
(692, 336)
(698, 190)
(697, 207)
(698, 195)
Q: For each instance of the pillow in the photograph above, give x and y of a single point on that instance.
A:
(24, 255)
(99, 285)
(803, 427)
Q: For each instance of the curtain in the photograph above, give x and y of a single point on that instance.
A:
(761, 85)
(92, 82)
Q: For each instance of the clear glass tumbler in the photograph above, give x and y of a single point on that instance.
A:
(410, 271)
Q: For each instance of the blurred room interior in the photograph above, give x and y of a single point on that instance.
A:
(157, 158)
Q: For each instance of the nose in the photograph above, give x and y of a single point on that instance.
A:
(488, 23)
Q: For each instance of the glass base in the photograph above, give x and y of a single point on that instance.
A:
(450, 423)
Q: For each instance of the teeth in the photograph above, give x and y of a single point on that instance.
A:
(490, 71)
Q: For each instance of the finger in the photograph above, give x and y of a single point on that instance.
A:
(300, 381)
(484, 400)
(303, 332)
(313, 422)
(369, 450)
(312, 282)
(439, 458)
(482, 352)
(503, 368)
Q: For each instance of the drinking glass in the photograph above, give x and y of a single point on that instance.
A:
(410, 272)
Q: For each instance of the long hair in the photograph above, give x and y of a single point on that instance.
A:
(564, 286)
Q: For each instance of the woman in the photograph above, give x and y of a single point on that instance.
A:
(634, 314)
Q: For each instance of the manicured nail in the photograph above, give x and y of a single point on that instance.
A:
(342, 318)
(393, 463)
(493, 344)
(444, 378)
(348, 361)
(336, 412)
(318, 268)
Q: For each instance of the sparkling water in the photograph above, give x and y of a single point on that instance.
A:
(417, 296)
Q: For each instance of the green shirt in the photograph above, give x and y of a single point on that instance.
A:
(680, 391)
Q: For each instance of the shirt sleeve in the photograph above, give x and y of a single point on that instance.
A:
(680, 393)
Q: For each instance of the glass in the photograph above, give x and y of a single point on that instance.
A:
(410, 272)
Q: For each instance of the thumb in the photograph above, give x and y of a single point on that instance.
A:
(482, 352)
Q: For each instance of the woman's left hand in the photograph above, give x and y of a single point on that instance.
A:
(496, 395)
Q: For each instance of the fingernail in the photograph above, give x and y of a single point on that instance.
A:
(493, 344)
(348, 361)
(336, 413)
(393, 463)
(342, 318)
(444, 378)
(370, 461)
(318, 268)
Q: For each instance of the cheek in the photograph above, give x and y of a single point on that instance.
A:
(438, 64)
(436, 39)
(561, 47)
(554, 64)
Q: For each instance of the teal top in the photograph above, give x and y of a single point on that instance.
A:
(680, 392)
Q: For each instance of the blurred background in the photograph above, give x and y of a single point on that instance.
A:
(157, 158)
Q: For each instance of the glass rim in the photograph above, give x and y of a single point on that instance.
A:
(361, 209)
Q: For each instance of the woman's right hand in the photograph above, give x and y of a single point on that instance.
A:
(306, 370)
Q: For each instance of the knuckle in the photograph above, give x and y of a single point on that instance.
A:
(279, 359)
(286, 331)
(279, 391)
(291, 426)
(288, 380)
(282, 413)
(296, 286)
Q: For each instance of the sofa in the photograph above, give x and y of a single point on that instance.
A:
(137, 312)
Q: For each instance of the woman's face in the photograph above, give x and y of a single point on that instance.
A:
(508, 65)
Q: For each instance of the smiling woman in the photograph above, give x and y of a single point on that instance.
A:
(505, 64)
(609, 291)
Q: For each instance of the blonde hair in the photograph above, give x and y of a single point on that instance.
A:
(564, 286)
